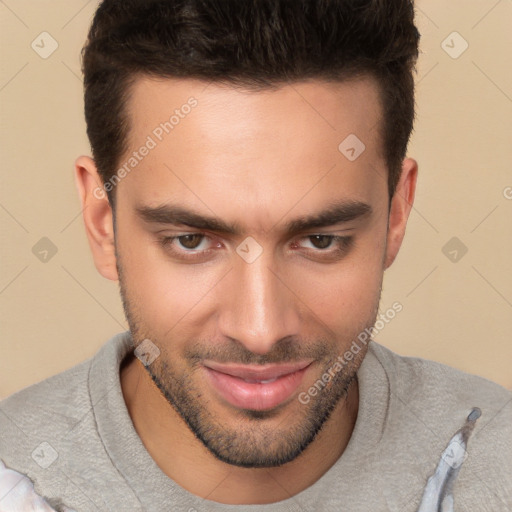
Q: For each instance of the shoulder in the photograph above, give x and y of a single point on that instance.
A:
(38, 426)
(44, 420)
(47, 398)
(49, 406)
(50, 431)
(439, 385)
(430, 401)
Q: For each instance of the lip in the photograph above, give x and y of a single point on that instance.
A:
(255, 387)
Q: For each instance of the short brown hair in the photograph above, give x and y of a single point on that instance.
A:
(253, 43)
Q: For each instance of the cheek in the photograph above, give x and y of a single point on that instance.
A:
(343, 298)
(164, 293)
(343, 295)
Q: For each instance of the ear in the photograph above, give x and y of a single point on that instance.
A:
(97, 215)
(401, 205)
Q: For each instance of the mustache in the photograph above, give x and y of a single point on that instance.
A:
(286, 350)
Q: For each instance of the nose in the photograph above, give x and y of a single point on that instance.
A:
(258, 308)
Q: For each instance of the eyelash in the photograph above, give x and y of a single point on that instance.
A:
(344, 243)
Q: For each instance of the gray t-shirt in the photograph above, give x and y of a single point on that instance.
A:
(71, 434)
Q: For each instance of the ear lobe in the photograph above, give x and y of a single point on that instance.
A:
(401, 205)
(97, 215)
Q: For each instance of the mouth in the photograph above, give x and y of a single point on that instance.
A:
(255, 388)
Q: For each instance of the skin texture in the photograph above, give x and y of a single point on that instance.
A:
(258, 159)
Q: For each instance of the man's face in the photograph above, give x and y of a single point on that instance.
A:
(270, 301)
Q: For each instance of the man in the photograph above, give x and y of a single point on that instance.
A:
(248, 189)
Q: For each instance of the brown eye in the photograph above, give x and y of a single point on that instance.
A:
(189, 247)
(325, 246)
(321, 241)
(190, 241)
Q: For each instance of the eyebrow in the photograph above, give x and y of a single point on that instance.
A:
(336, 213)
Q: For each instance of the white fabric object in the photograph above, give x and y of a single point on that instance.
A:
(438, 494)
(17, 493)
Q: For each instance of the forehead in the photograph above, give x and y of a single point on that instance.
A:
(217, 141)
(352, 104)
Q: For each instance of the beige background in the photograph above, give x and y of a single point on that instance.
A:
(56, 314)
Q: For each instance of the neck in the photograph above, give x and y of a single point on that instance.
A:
(184, 459)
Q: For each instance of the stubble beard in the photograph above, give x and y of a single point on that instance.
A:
(257, 439)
